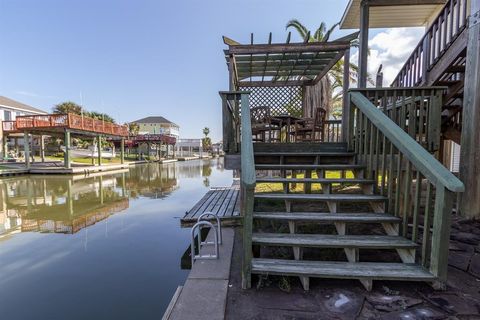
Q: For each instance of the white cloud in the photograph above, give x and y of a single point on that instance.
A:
(391, 48)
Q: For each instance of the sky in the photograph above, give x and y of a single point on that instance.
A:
(138, 58)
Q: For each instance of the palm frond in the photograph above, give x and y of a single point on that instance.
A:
(329, 32)
(318, 35)
(297, 25)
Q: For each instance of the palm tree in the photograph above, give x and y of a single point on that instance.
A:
(330, 86)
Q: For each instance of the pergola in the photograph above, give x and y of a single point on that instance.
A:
(284, 76)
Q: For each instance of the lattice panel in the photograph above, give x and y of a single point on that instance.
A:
(281, 100)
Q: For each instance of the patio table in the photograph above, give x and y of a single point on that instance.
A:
(286, 121)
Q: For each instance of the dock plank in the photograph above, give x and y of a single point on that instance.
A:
(223, 201)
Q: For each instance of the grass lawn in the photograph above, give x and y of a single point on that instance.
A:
(299, 187)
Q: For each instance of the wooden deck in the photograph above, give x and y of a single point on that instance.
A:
(223, 201)
(51, 123)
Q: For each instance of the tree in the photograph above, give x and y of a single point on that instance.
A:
(133, 128)
(331, 86)
(206, 131)
(206, 142)
(100, 116)
(68, 107)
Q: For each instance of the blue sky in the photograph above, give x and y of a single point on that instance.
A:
(134, 58)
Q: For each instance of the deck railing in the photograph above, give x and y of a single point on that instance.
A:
(71, 121)
(333, 131)
(416, 110)
(396, 161)
(237, 103)
(448, 25)
(9, 126)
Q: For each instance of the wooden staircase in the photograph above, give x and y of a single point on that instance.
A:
(332, 170)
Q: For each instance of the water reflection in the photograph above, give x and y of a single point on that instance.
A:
(67, 204)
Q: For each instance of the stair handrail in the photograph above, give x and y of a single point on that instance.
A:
(430, 167)
(374, 136)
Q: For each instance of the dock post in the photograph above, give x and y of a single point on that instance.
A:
(5, 146)
(26, 146)
(66, 157)
(99, 149)
(122, 151)
(42, 147)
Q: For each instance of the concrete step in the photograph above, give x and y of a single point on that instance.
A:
(367, 217)
(342, 270)
(332, 241)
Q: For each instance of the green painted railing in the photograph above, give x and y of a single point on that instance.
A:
(236, 105)
(418, 111)
(396, 162)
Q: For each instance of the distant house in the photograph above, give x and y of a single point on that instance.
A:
(158, 125)
(9, 111)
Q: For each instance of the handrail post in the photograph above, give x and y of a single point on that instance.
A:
(247, 183)
(441, 234)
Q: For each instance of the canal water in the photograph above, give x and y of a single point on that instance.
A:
(106, 246)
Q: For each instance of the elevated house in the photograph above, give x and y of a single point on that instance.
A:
(157, 125)
(388, 146)
(157, 136)
(9, 111)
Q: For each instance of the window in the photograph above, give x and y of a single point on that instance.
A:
(7, 115)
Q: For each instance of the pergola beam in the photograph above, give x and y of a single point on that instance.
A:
(289, 48)
(328, 67)
(278, 83)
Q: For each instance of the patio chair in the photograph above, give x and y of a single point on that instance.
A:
(311, 129)
(265, 128)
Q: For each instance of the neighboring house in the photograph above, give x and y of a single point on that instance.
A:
(157, 125)
(10, 110)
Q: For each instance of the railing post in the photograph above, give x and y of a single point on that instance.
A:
(441, 234)
(426, 58)
(346, 101)
(435, 120)
(227, 126)
(349, 130)
(247, 190)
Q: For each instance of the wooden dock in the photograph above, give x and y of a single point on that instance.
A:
(223, 201)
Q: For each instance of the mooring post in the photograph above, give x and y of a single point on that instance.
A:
(42, 147)
(122, 151)
(5, 146)
(99, 149)
(66, 156)
(26, 146)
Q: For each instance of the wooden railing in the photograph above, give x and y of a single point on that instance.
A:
(230, 122)
(396, 161)
(416, 110)
(71, 121)
(448, 25)
(236, 103)
(333, 131)
(9, 126)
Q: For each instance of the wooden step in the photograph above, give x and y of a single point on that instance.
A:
(342, 270)
(305, 154)
(332, 167)
(300, 147)
(335, 197)
(313, 180)
(367, 217)
(332, 241)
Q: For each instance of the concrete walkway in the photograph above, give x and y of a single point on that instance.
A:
(204, 295)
